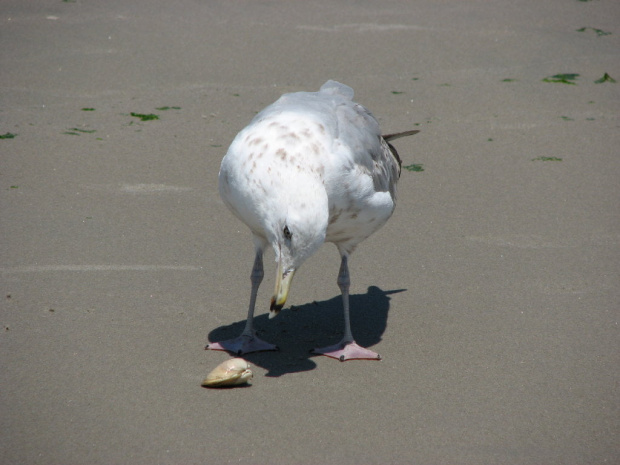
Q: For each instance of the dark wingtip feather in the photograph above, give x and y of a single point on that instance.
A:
(394, 136)
(398, 135)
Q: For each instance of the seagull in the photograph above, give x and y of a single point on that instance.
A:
(310, 168)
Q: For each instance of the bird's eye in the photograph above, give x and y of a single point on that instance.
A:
(287, 233)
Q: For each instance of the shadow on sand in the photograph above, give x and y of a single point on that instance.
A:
(299, 329)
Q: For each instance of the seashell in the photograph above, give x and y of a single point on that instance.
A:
(230, 373)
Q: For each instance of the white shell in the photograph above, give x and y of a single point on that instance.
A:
(230, 373)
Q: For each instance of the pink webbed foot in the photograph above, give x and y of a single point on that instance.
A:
(242, 345)
(347, 351)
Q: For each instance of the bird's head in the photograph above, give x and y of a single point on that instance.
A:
(297, 236)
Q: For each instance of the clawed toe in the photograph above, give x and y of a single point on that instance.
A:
(242, 345)
(347, 351)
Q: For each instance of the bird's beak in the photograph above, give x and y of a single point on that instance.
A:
(283, 283)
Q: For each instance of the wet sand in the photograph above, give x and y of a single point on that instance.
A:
(492, 294)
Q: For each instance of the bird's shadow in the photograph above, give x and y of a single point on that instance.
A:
(299, 329)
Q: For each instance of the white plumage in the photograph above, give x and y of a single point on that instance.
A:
(310, 168)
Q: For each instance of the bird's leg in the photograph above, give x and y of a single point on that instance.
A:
(347, 348)
(248, 341)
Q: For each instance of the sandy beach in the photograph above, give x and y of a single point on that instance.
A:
(492, 294)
